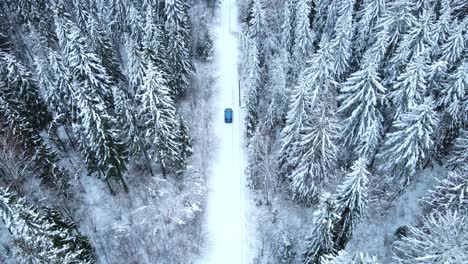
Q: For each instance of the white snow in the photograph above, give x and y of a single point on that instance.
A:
(229, 240)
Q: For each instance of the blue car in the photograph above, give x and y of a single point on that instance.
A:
(228, 115)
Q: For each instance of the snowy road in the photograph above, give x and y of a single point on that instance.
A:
(229, 240)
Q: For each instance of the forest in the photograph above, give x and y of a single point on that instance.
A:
(357, 114)
(356, 130)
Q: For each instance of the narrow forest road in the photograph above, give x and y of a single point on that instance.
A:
(228, 240)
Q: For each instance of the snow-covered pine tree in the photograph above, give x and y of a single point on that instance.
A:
(408, 146)
(450, 193)
(177, 28)
(411, 86)
(345, 257)
(442, 238)
(454, 97)
(158, 118)
(460, 155)
(320, 241)
(351, 200)
(363, 123)
(42, 236)
(317, 164)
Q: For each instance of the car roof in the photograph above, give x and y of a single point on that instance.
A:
(228, 109)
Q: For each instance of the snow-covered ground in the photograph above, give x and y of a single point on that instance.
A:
(229, 238)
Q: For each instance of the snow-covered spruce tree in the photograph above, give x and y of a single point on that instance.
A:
(177, 28)
(317, 164)
(344, 257)
(460, 153)
(44, 159)
(454, 47)
(398, 16)
(278, 84)
(450, 193)
(104, 48)
(287, 28)
(454, 97)
(442, 238)
(136, 66)
(351, 200)
(42, 236)
(296, 117)
(418, 39)
(411, 86)
(184, 142)
(21, 109)
(94, 126)
(252, 87)
(320, 241)
(303, 38)
(341, 42)
(361, 95)
(21, 89)
(158, 117)
(128, 127)
(407, 147)
(135, 24)
(367, 18)
(257, 151)
(257, 22)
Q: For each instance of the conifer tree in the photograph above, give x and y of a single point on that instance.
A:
(407, 147)
(21, 89)
(363, 123)
(42, 236)
(351, 201)
(177, 28)
(455, 45)
(460, 155)
(411, 86)
(94, 127)
(296, 117)
(320, 242)
(320, 153)
(303, 37)
(449, 194)
(368, 17)
(441, 238)
(341, 43)
(185, 146)
(136, 65)
(454, 97)
(252, 83)
(157, 114)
